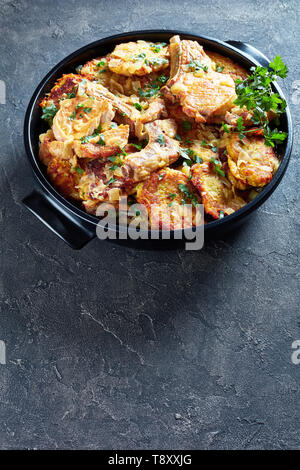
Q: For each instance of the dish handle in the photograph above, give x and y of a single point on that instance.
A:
(251, 51)
(67, 226)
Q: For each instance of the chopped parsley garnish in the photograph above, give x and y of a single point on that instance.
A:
(225, 127)
(150, 90)
(157, 47)
(138, 106)
(88, 138)
(137, 146)
(217, 166)
(185, 190)
(101, 63)
(78, 69)
(123, 151)
(172, 195)
(220, 68)
(190, 156)
(161, 140)
(79, 170)
(195, 66)
(163, 79)
(142, 55)
(240, 127)
(73, 92)
(187, 125)
(49, 113)
(177, 137)
(198, 159)
(157, 61)
(255, 92)
(160, 177)
(110, 181)
(221, 216)
(72, 116)
(212, 146)
(101, 140)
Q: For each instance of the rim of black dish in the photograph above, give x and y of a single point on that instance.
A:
(67, 205)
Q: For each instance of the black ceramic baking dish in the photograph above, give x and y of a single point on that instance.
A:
(68, 220)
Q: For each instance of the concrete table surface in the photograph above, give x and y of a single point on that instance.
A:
(115, 348)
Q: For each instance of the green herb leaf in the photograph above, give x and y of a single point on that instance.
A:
(195, 66)
(79, 170)
(49, 113)
(161, 140)
(137, 106)
(185, 190)
(256, 94)
(225, 127)
(220, 68)
(163, 79)
(279, 67)
(110, 181)
(186, 125)
(217, 166)
(101, 140)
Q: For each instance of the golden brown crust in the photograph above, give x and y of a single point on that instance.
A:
(216, 191)
(138, 58)
(251, 161)
(223, 64)
(164, 200)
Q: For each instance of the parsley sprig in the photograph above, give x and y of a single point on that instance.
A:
(256, 94)
(49, 113)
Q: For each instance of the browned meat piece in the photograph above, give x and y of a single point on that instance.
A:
(204, 95)
(127, 113)
(161, 150)
(185, 56)
(103, 145)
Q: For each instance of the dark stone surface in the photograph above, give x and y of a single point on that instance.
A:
(116, 348)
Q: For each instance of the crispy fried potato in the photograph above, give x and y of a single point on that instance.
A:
(205, 96)
(165, 201)
(80, 116)
(65, 86)
(225, 65)
(251, 162)
(216, 191)
(65, 176)
(138, 58)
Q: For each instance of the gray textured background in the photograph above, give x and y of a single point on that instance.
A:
(116, 348)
